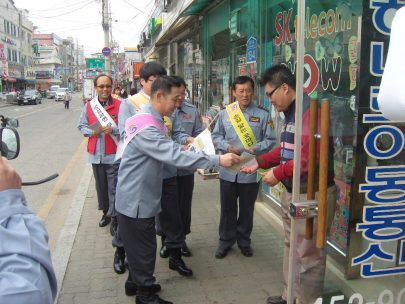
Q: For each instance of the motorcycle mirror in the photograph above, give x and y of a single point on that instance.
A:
(10, 143)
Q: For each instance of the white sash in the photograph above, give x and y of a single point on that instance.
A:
(105, 120)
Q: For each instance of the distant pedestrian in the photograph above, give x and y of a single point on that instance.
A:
(123, 94)
(67, 98)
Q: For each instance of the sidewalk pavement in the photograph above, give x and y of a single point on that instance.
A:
(90, 277)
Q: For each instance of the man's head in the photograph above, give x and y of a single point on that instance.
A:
(66, 90)
(148, 74)
(279, 85)
(103, 87)
(165, 93)
(182, 91)
(243, 90)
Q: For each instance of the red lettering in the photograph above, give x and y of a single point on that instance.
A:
(286, 28)
(279, 29)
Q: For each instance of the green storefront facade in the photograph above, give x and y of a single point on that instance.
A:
(346, 43)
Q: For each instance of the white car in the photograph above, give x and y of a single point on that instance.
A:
(52, 91)
(59, 94)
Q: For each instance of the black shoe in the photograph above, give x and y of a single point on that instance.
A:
(113, 226)
(276, 300)
(185, 251)
(221, 253)
(147, 296)
(119, 258)
(105, 220)
(164, 251)
(246, 251)
(177, 263)
(131, 288)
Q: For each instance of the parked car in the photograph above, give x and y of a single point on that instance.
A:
(59, 94)
(52, 91)
(30, 97)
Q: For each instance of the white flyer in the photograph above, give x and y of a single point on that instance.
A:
(203, 142)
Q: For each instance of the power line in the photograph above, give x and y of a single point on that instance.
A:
(58, 8)
(66, 13)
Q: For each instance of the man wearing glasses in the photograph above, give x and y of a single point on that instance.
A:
(279, 84)
(102, 144)
(233, 228)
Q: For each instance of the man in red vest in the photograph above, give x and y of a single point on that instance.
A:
(102, 145)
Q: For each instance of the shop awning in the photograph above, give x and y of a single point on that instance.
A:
(44, 81)
(10, 79)
(198, 7)
(179, 28)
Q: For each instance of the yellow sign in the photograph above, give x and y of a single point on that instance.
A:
(241, 126)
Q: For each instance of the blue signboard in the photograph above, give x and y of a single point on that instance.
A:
(106, 51)
(251, 50)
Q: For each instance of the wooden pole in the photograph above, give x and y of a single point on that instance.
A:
(313, 129)
(323, 172)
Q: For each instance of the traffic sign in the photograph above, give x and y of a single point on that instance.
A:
(251, 50)
(106, 51)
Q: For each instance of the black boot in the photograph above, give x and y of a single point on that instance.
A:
(177, 263)
(113, 226)
(119, 260)
(164, 251)
(105, 220)
(131, 288)
(147, 296)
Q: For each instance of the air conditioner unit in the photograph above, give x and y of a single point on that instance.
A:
(166, 5)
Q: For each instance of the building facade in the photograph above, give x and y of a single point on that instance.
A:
(209, 43)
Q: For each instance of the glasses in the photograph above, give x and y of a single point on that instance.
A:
(272, 92)
(103, 87)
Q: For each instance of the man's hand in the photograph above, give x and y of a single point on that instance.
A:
(250, 169)
(189, 140)
(9, 178)
(106, 130)
(269, 179)
(252, 149)
(96, 134)
(228, 160)
(233, 150)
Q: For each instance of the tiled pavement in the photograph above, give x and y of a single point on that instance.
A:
(236, 279)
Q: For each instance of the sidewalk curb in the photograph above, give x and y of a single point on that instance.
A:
(63, 247)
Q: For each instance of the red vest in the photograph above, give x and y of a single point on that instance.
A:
(110, 146)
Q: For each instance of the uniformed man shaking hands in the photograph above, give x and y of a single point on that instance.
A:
(140, 182)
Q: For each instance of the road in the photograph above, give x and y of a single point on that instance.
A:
(50, 143)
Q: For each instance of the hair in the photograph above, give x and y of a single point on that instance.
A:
(242, 80)
(117, 88)
(180, 79)
(277, 75)
(102, 75)
(151, 69)
(124, 94)
(133, 91)
(164, 84)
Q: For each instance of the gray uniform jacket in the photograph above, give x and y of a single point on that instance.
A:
(127, 109)
(99, 157)
(140, 177)
(224, 132)
(189, 116)
(26, 271)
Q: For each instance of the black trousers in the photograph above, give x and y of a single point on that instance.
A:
(139, 237)
(106, 182)
(234, 228)
(185, 185)
(169, 221)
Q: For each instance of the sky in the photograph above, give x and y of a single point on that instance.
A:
(82, 19)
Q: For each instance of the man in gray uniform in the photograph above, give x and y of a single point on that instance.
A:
(140, 182)
(231, 227)
(147, 75)
(189, 116)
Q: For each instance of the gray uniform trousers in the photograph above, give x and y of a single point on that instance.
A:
(185, 186)
(106, 182)
(139, 236)
(169, 221)
(231, 227)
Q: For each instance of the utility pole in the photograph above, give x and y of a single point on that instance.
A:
(77, 64)
(106, 27)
